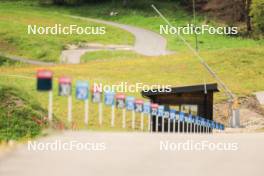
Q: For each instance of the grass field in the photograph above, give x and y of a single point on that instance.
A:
(179, 69)
(108, 55)
(15, 16)
(141, 14)
(238, 61)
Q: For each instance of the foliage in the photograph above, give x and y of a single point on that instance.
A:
(7, 62)
(19, 115)
(257, 12)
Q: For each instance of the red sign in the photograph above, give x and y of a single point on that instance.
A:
(44, 74)
(154, 106)
(65, 80)
(139, 102)
(120, 96)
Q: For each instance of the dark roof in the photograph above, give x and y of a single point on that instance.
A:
(185, 89)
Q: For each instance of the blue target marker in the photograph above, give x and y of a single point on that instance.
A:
(172, 114)
(109, 98)
(146, 108)
(130, 103)
(82, 90)
(161, 110)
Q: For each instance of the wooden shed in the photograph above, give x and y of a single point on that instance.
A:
(195, 99)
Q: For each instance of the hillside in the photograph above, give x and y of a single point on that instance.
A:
(20, 116)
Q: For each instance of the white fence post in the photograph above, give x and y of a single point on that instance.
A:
(69, 108)
(174, 124)
(50, 110)
(100, 108)
(149, 123)
(113, 116)
(157, 124)
(124, 118)
(133, 120)
(142, 121)
(162, 124)
(86, 112)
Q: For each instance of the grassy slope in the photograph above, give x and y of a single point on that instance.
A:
(107, 55)
(15, 16)
(17, 111)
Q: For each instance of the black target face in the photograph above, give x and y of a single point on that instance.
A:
(44, 84)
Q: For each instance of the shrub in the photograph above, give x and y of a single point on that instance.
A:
(19, 115)
(257, 13)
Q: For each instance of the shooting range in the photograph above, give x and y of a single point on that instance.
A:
(186, 109)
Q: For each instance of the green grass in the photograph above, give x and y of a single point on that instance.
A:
(5, 62)
(17, 111)
(142, 15)
(175, 70)
(15, 16)
(108, 55)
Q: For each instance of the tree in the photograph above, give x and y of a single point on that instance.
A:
(247, 4)
(257, 13)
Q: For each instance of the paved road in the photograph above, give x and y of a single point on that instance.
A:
(147, 42)
(260, 97)
(27, 61)
(136, 154)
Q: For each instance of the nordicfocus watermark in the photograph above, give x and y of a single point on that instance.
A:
(59, 145)
(199, 30)
(124, 87)
(59, 29)
(190, 145)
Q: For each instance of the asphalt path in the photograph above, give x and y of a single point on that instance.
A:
(147, 42)
(130, 154)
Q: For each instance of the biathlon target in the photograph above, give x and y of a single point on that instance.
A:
(65, 86)
(130, 103)
(44, 80)
(82, 90)
(120, 101)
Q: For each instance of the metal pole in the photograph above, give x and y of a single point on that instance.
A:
(194, 21)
